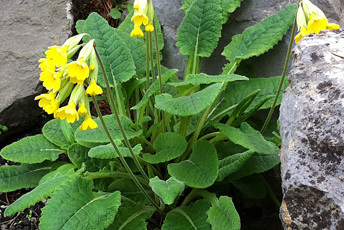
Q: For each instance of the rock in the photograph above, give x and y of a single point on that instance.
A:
(27, 27)
(311, 126)
(249, 13)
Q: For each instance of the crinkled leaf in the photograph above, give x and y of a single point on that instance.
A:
(167, 190)
(200, 30)
(79, 208)
(186, 5)
(222, 215)
(233, 163)
(256, 164)
(31, 150)
(43, 190)
(228, 7)
(132, 217)
(261, 37)
(188, 105)
(15, 177)
(118, 62)
(188, 217)
(168, 146)
(98, 135)
(198, 79)
(108, 151)
(237, 91)
(154, 88)
(78, 154)
(247, 137)
(80, 26)
(200, 170)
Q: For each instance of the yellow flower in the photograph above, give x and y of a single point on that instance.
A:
(149, 28)
(310, 19)
(58, 54)
(46, 64)
(82, 111)
(48, 102)
(88, 123)
(51, 80)
(137, 32)
(67, 112)
(77, 71)
(93, 89)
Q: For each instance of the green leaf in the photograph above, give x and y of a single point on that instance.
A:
(74, 206)
(115, 13)
(261, 37)
(132, 217)
(188, 217)
(228, 7)
(43, 190)
(188, 105)
(22, 176)
(99, 136)
(256, 164)
(78, 154)
(251, 186)
(198, 79)
(233, 163)
(168, 146)
(247, 137)
(238, 91)
(167, 190)
(186, 5)
(80, 26)
(115, 55)
(31, 150)
(108, 151)
(223, 216)
(200, 30)
(201, 170)
(154, 88)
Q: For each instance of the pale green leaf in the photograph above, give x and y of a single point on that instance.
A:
(200, 170)
(154, 88)
(168, 146)
(191, 217)
(200, 30)
(188, 105)
(233, 163)
(261, 37)
(31, 150)
(99, 136)
(43, 190)
(228, 7)
(108, 151)
(80, 26)
(167, 190)
(223, 216)
(16, 177)
(115, 55)
(74, 206)
(198, 79)
(247, 137)
(78, 154)
(115, 13)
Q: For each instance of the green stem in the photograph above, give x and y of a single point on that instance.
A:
(97, 175)
(157, 56)
(282, 79)
(184, 124)
(126, 141)
(147, 62)
(209, 135)
(151, 55)
(125, 164)
(199, 192)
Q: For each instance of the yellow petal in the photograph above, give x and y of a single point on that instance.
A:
(332, 26)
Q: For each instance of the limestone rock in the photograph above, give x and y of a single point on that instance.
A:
(312, 133)
(249, 13)
(27, 27)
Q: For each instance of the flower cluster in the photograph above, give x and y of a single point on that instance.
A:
(62, 79)
(143, 15)
(310, 19)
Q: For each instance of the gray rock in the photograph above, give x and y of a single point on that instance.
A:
(249, 13)
(311, 123)
(27, 27)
